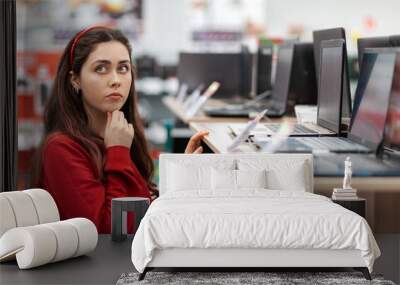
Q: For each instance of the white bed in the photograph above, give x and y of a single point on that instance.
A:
(247, 210)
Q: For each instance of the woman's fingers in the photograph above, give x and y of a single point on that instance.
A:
(194, 141)
(114, 117)
(118, 130)
(118, 118)
(199, 150)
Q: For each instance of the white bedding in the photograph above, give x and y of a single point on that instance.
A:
(252, 218)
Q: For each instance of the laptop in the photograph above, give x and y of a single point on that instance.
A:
(329, 115)
(277, 101)
(385, 162)
(367, 132)
(391, 141)
(363, 45)
(330, 34)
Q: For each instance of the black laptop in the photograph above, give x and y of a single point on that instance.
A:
(367, 132)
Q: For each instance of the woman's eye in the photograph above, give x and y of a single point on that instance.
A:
(101, 68)
(124, 68)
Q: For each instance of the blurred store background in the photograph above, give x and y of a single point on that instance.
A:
(159, 30)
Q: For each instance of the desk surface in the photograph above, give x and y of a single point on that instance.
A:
(219, 139)
(102, 266)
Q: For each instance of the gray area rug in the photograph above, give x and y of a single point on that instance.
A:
(228, 278)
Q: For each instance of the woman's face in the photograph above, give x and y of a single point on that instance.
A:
(106, 78)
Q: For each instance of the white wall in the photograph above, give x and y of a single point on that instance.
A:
(165, 30)
(167, 23)
(320, 14)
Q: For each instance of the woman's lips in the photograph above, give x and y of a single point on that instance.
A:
(114, 96)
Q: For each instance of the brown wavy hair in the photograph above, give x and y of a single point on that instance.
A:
(64, 112)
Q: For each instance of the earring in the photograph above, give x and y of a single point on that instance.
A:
(76, 89)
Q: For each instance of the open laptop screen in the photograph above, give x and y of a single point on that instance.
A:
(330, 34)
(392, 128)
(363, 43)
(330, 85)
(367, 64)
(282, 78)
(369, 122)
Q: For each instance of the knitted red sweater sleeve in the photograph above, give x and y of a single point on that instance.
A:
(69, 176)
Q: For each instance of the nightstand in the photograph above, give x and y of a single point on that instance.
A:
(358, 205)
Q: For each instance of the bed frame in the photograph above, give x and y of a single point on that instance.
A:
(242, 259)
(246, 258)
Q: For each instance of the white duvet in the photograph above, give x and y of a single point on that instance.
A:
(250, 219)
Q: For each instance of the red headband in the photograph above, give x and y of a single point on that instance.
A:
(77, 37)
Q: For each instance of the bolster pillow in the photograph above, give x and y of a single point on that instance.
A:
(26, 208)
(31, 231)
(40, 244)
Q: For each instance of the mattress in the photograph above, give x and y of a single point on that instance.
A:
(250, 219)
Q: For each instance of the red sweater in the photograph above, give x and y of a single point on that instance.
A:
(69, 176)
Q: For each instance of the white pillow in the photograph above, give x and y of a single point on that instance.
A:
(188, 177)
(223, 179)
(279, 180)
(193, 172)
(226, 179)
(282, 173)
(251, 178)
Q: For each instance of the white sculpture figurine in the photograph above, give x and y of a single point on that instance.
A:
(347, 174)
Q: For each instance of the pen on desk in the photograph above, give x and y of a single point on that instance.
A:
(203, 98)
(182, 93)
(247, 129)
(279, 137)
(193, 97)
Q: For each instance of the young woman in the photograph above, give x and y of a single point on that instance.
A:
(94, 147)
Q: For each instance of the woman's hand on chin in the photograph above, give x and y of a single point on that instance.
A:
(118, 131)
(193, 145)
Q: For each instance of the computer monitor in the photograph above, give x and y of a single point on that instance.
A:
(329, 108)
(330, 34)
(228, 69)
(369, 122)
(392, 128)
(303, 83)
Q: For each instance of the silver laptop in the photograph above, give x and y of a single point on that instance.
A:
(368, 127)
(329, 110)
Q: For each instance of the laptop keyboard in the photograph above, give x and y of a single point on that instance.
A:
(336, 144)
(297, 130)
